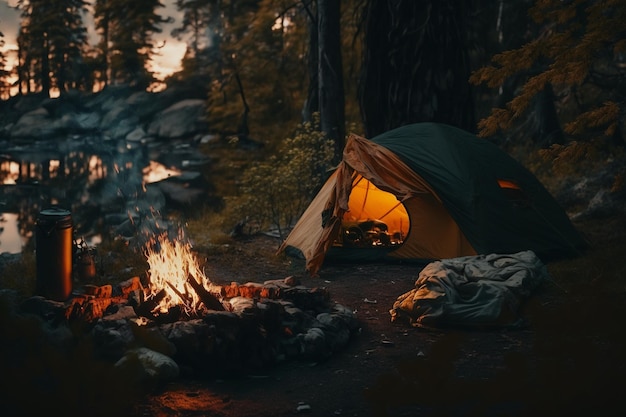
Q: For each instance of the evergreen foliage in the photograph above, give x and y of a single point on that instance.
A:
(4, 73)
(201, 24)
(580, 52)
(127, 29)
(52, 38)
(261, 78)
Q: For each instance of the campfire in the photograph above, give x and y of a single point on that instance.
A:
(199, 326)
(177, 287)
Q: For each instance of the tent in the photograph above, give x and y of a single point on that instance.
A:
(430, 191)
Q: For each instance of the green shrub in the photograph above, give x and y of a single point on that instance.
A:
(275, 192)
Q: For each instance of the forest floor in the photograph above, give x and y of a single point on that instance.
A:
(567, 360)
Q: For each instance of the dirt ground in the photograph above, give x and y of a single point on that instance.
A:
(567, 360)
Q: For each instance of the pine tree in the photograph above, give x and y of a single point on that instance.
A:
(261, 77)
(580, 53)
(51, 41)
(202, 25)
(127, 29)
(4, 73)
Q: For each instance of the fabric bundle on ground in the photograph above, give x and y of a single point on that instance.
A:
(481, 290)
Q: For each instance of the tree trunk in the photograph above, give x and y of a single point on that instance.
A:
(45, 66)
(416, 66)
(331, 94)
(545, 128)
(105, 53)
(312, 103)
(20, 68)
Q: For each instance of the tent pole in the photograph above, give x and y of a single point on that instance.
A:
(390, 210)
(367, 190)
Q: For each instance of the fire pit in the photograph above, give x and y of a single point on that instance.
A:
(197, 327)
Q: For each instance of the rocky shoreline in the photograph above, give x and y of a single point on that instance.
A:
(115, 113)
(126, 129)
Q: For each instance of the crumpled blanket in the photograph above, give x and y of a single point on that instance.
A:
(481, 290)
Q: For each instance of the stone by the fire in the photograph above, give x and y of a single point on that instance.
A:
(263, 324)
(153, 367)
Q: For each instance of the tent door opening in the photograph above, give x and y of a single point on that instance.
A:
(375, 218)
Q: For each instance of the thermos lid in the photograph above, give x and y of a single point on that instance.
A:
(55, 215)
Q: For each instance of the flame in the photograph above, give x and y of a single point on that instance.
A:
(172, 265)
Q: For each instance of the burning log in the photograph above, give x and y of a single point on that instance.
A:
(210, 301)
(173, 314)
(145, 309)
(184, 299)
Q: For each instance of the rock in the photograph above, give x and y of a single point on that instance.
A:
(314, 344)
(117, 112)
(88, 121)
(181, 119)
(152, 338)
(182, 156)
(336, 328)
(120, 128)
(112, 337)
(154, 367)
(47, 309)
(182, 190)
(595, 194)
(35, 123)
(122, 313)
(28, 103)
(136, 135)
(241, 304)
(303, 408)
(602, 204)
(204, 139)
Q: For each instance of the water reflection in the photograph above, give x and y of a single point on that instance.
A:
(12, 241)
(88, 176)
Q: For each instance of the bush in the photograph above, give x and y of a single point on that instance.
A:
(275, 192)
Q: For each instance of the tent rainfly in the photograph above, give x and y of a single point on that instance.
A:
(430, 191)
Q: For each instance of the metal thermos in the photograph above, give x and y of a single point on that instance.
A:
(53, 248)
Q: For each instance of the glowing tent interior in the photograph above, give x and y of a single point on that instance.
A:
(430, 191)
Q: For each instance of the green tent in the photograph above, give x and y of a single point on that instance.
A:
(430, 191)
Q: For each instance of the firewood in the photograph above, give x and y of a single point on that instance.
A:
(209, 300)
(145, 309)
(185, 299)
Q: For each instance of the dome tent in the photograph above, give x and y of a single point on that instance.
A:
(461, 195)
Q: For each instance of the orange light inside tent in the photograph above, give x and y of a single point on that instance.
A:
(368, 202)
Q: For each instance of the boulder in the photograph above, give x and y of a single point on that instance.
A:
(181, 119)
(35, 123)
(117, 112)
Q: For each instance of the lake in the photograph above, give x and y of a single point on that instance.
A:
(101, 182)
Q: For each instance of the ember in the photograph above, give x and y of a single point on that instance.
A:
(175, 279)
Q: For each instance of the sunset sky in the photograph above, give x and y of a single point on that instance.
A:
(171, 52)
